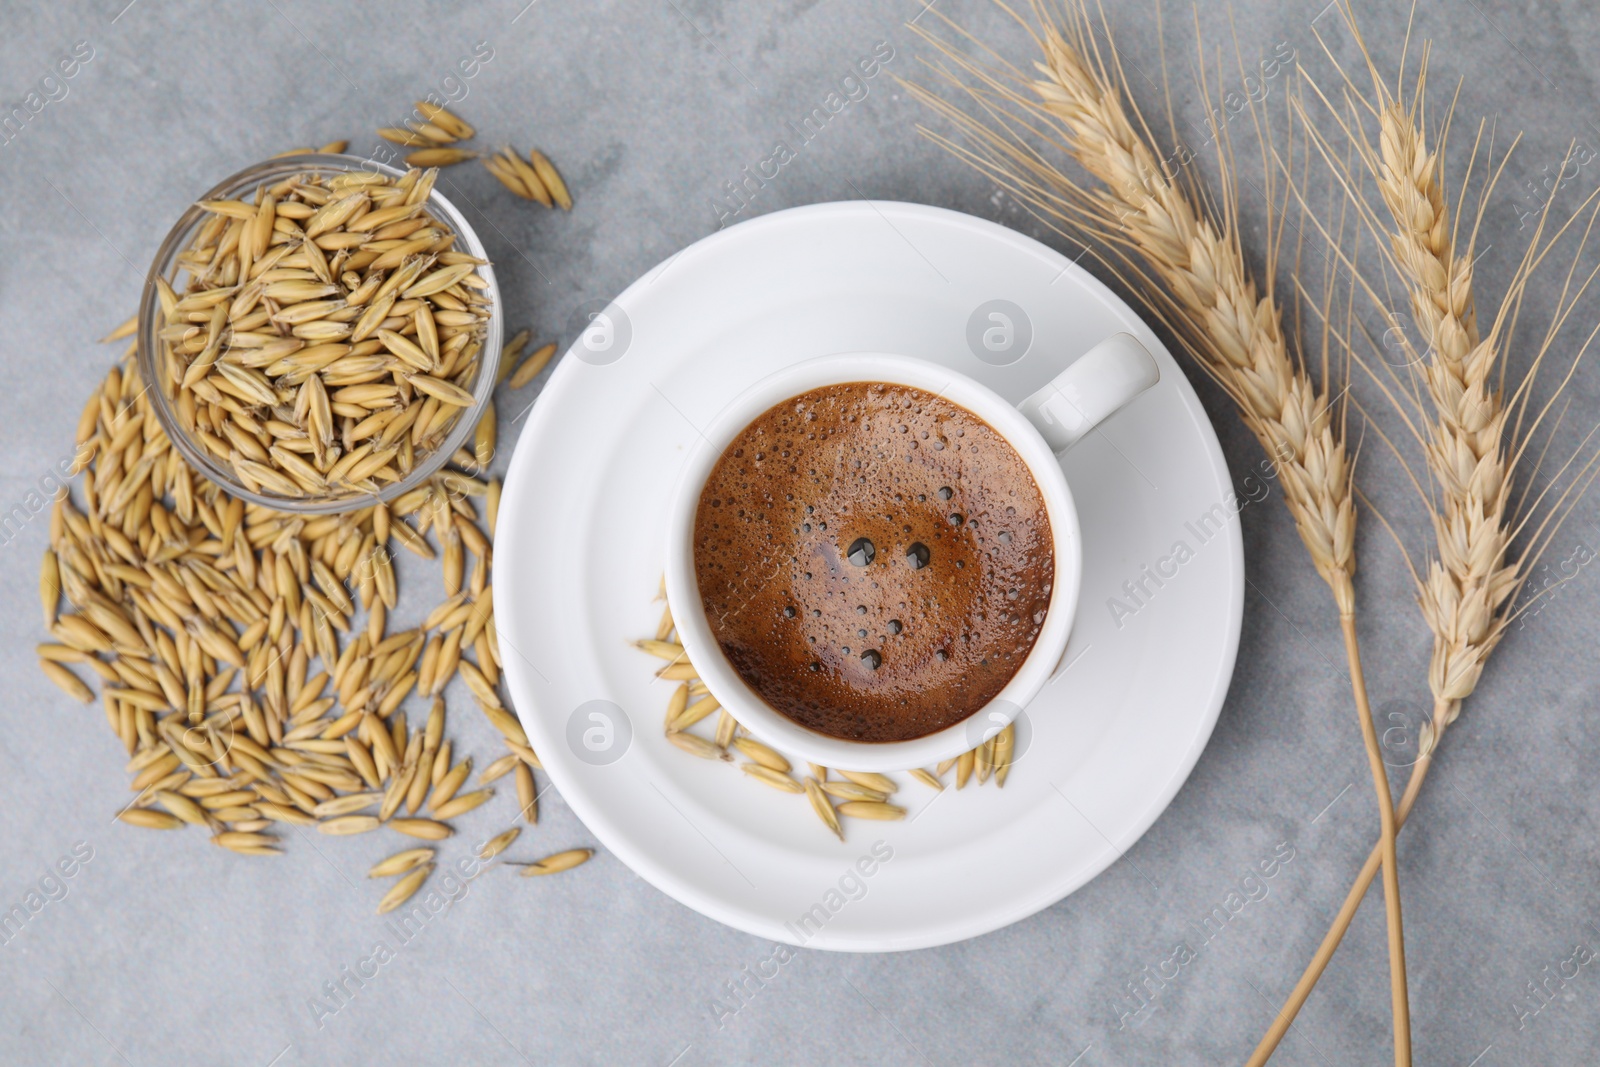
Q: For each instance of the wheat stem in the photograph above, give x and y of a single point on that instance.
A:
(1391, 868)
(1347, 912)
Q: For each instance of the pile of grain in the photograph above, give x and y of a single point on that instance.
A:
(859, 794)
(245, 655)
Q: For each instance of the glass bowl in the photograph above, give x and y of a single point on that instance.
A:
(162, 389)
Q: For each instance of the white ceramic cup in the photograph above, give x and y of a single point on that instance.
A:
(1050, 421)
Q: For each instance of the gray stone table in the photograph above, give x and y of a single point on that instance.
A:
(162, 949)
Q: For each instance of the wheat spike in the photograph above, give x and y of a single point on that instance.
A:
(1470, 580)
(1242, 342)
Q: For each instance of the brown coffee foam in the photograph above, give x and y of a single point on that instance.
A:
(866, 458)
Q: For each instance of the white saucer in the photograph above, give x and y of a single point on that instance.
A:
(579, 548)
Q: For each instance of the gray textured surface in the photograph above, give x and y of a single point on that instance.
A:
(164, 950)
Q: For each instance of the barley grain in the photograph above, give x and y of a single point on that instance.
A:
(125, 330)
(446, 120)
(182, 807)
(760, 753)
(693, 713)
(525, 754)
(529, 368)
(698, 746)
(401, 862)
(511, 730)
(852, 791)
(1005, 743)
(823, 807)
(882, 783)
(461, 804)
(527, 795)
(403, 137)
(561, 861)
(550, 179)
(866, 809)
(49, 587)
(404, 889)
(768, 776)
(346, 805)
(498, 769)
(69, 682)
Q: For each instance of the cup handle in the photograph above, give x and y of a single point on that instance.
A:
(1097, 384)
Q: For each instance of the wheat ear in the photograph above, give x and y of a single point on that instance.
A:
(1467, 593)
(1470, 581)
(1235, 332)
